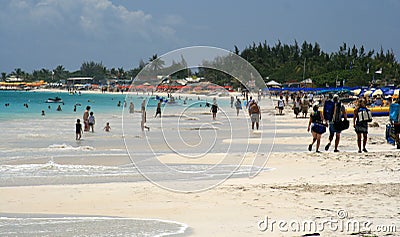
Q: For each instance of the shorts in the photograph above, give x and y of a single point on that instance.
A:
(255, 118)
(361, 127)
(90, 124)
(280, 107)
(332, 129)
(397, 128)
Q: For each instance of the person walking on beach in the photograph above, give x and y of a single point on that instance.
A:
(317, 128)
(86, 119)
(255, 114)
(232, 100)
(281, 105)
(214, 109)
(337, 112)
(297, 106)
(92, 121)
(158, 110)
(78, 129)
(131, 108)
(305, 104)
(238, 106)
(360, 123)
(107, 128)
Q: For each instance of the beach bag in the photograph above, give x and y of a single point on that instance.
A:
(364, 115)
(319, 128)
(394, 112)
(341, 125)
(328, 109)
(390, 134)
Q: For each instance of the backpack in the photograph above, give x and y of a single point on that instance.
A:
(328, 110)
(364, 115)
(394, 112)
(254, 109)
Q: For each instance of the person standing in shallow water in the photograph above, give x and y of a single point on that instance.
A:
(86, 119)
(78, 129)
(92, 121)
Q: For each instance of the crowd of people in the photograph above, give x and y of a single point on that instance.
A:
(332, 118)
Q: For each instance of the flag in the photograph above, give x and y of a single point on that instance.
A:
(379, 71)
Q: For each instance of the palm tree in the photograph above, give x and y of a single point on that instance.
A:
(156, 63)
(18, 72)
(3, 76)
(60, 73)
(121, 73)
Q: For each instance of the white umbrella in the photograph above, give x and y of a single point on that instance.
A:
(356, 92)
(273, 83)
(368, 93)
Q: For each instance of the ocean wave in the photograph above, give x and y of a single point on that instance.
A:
(69, 147)
(89, 226)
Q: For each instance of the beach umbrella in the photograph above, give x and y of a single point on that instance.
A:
(356, 92)
(377, 92)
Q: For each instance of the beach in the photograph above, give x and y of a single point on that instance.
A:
(46, 173)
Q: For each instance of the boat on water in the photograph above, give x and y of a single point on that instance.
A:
(54, 100)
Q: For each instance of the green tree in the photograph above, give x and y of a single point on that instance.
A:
(3, 76)
(156, 63)
(60, 73)
(93, 69)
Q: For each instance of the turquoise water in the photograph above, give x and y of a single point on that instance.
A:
(100, 103)
(37, 102)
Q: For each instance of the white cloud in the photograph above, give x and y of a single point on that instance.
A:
(92, 17)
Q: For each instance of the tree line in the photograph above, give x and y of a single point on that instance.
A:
(280, 62)
(355, 66)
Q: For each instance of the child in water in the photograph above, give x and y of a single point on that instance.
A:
(78, 129)
(92, 121)
(107, 128)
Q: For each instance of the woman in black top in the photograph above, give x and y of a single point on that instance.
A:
(318, 128)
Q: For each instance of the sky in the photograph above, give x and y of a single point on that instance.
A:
(36, 34)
